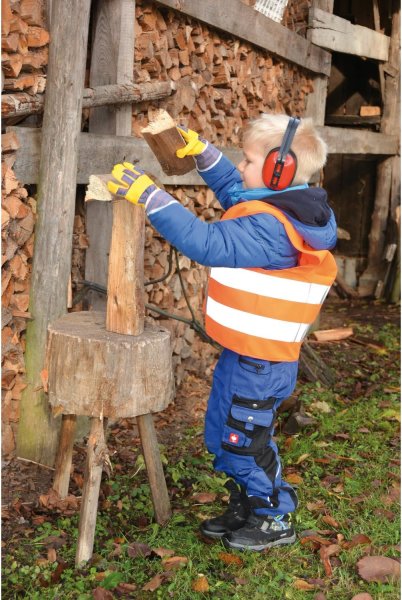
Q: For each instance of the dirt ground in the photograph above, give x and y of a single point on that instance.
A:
(23, 482)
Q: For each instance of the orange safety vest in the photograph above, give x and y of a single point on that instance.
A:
(267, 313)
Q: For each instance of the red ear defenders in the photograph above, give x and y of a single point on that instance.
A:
(281, 163)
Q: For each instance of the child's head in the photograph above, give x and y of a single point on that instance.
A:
(265, 133)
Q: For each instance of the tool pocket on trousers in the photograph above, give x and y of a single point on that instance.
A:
(253, 412)
(249, 425)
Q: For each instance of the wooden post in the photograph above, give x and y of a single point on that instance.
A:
(160, 496)
(38, 430)
(124, 316)
(64, 455)
(371, 281)
(112, 62)
(96, 457)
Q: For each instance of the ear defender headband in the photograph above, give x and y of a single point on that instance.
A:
(281, 163)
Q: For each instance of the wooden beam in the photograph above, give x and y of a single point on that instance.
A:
(248, 24)
(334, 33)
(352, 141)
(51, 269)
(98, 153)
(23, 104)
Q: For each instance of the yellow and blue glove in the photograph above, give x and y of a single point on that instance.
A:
(135, 186)
(131, 183)
(205, 154)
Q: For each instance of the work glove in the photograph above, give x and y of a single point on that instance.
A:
(138, 188)
(204, 153)
(133, 184)
(194, 144)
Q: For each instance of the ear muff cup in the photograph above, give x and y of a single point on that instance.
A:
(279, 175)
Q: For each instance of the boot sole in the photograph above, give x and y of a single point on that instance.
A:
(213, 535)
(260, 547)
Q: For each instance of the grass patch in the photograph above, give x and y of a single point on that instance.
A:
(347, 465)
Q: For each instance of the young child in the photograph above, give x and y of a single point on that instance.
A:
(271, 270)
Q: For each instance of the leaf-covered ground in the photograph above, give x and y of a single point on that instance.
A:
(345, 466)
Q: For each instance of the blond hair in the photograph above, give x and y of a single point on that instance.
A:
(311, 151)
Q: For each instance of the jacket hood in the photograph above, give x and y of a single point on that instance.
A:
(310, 213)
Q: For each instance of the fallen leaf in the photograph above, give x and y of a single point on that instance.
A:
(154, 583)
(204, 497)
(362, 596)
(51, 555)
(241, 581)
(138, 549)
(387, 514)
(161, 552)
(357, 540)
(294, 478)
(315, 506)
(330, 521)
(100, 593)
(392, 415)
(174, 562)
(230, 559)
(301, 584)
(378, 568)
(302, 458)
(200, 584)
(320, 596)
(325, 553)
(126, 588)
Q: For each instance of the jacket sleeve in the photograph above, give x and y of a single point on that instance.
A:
(254, 241)
(220, 178)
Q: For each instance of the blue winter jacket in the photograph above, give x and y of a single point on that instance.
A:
(253, 241)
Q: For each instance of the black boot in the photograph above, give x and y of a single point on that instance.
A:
(233, 518)
(261, 532)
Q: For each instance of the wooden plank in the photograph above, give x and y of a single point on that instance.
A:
(38, 431)
(348, 120)
(248, 24)
(335, 33)
(23, 104)
(98, 153)
(316, 101)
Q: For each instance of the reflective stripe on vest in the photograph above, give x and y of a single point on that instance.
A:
(267, 313)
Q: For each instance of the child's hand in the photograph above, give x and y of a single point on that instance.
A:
(133, 184)
(195, 144)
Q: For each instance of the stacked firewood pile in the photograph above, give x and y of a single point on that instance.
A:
(17, 225)
(24, 46)
(24, 58)
(220, 83)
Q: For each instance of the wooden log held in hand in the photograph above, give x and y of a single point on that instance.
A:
(164, 139)
(111, 366)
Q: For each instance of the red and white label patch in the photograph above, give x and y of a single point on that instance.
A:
(234, 438)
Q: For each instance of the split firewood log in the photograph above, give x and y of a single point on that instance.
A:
(163, 138)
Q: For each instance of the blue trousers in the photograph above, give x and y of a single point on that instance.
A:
(245, 394)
